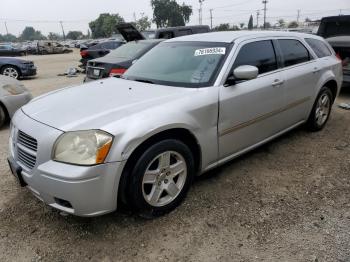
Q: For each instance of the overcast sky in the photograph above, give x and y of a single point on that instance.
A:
(44, 15)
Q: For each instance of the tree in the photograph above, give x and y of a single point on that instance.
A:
(169, 13)
(143, 23)
(241, 25)
(54, 36)
(281, 23)
(293, 24)
(8, 38)
(307, 20)
(222, 27)
(105, 25)
(267, 25)
(30, 34)
(251, 23)
(74, 35)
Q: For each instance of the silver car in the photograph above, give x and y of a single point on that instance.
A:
(13, 95)
(187, 106)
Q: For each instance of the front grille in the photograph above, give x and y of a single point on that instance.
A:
(25, 158)
(26, 149)
(27, 141)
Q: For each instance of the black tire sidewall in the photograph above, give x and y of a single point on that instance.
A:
(134, 192)
(312, 122)
(2, 116)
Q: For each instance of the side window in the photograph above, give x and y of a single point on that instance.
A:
(293, 51)
(260, 54)
(166, 35)
(320, 48)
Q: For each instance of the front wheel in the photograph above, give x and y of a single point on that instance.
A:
(161, 178)
(321, 110)
(11, 71)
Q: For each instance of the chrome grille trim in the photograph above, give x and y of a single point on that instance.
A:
(27, 141)
(27, 147)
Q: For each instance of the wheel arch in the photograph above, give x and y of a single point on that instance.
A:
(333, 86)
(12, 65)
(182, 134)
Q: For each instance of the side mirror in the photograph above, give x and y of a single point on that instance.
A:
(246, 72)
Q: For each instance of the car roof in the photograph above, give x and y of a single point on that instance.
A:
(231, 36)
(150, 40)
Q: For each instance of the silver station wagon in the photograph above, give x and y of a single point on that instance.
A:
(189, 105)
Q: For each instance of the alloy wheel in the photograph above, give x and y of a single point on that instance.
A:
(164, 178)
(11, 72)
(323, 109)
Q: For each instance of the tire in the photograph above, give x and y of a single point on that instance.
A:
(2, 116)
(321, 110)
(11, 71)
(170, 167)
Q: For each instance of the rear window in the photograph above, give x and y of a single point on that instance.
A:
(319, 47)
(293, 51)
(335, 28)
(129, 50)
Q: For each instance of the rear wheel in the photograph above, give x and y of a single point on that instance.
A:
(321, 110)
(161, 178)
(11, 71)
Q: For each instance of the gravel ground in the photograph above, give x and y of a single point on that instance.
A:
(286, 201)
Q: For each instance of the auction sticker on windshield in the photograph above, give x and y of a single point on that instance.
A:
(210, 51)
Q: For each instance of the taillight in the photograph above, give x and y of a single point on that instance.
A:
(117, 71)
(338, 56)
(84, 53)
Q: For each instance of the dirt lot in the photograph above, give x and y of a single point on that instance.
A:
(287, 201)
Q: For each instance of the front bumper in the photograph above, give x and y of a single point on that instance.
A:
(31, 71)
(78, 190)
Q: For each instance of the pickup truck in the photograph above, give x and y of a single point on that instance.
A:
(336, 30)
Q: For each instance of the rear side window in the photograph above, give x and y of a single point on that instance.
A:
(293, 51)
(260, 54)
(183, 32)
(320, 48)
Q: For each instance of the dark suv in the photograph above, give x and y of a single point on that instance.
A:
(336, 30)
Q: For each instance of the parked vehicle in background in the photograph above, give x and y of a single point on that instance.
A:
(10, 50)
(51, 47)
(16, 67)
(97, 50)
(188, 105)
(119, 60)
(336, 30)
(128, 29)
(13, 95)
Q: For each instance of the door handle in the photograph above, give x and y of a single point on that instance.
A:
(316, 70)
(278, 82)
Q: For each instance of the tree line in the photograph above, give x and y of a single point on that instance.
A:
(166, 13)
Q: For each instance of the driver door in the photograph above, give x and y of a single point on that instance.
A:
(250, 110)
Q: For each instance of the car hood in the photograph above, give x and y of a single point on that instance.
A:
(12, 59)
(99, 103)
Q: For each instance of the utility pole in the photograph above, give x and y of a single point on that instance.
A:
(257, 18)
(298, 16)
(265, 2)
(7, 31)
(64, 35)
(211, 18)
(201, 11)
(135, 20)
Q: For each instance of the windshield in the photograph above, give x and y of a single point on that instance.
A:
(129, 50)
(186, 64)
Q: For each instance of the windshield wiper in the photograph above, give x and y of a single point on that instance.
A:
(144, 81)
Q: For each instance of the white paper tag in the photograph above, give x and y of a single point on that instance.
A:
(210, 51)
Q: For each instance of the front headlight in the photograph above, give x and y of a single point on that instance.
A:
(14, 89)
(83, 147)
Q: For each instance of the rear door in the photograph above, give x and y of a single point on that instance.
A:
(250, 110)
(301, 72)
